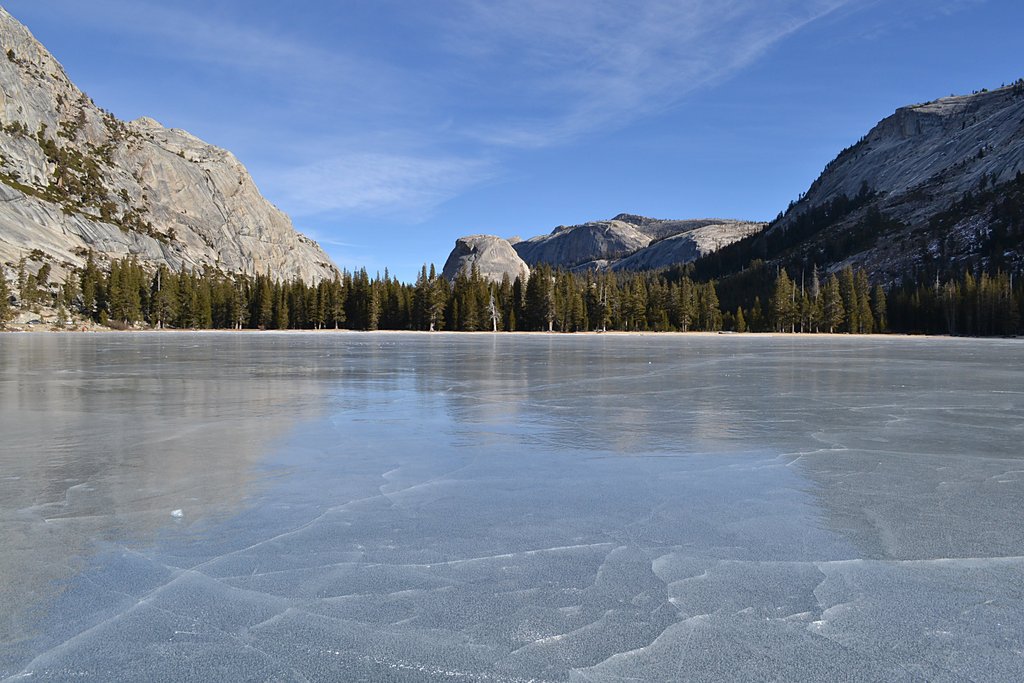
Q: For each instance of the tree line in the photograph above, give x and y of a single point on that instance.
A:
(765, 299)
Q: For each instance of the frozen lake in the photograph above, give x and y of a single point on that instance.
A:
(510, 508)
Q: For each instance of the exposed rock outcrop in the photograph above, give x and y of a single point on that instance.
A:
(626, 242)
(911, 174)
(573, 245)
(940, 149)
(74, 178)
(688, 246)
(492, 256)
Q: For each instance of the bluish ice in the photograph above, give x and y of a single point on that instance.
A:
(413, 507)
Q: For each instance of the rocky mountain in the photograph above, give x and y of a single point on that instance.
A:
(492, 256)
(688, 246)
(931, 151)
(574, 246)
(929, 187)
(625, 242)
(74, 178)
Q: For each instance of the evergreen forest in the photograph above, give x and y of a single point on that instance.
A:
(761, 298)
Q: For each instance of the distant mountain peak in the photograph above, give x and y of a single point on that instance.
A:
(74, 179)
(625, 242)
(930, 188)
(632, 218)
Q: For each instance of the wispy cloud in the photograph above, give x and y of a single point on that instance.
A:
(518, 73)
(581, 66)
(895, 18)
(287, 60)
(404, 187)
(467, 80)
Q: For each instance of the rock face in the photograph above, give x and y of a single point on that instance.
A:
(916, 164)
(493, 257)
(688, 246)
(628, 242)
(575, 245)
(942, 149)
(75, 178)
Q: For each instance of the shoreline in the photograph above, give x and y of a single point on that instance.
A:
(96, 329)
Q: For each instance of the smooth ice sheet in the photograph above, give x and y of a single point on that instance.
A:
(415, 507)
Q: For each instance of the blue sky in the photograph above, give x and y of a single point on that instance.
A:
(387, 128)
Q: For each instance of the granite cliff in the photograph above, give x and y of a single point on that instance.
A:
(933, 187)
(74, 178)
(689, 245)
(492, 256)
(625, 242)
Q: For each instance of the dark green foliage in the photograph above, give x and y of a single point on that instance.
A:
(550, 300)
(880, 308)
(783, 304)
(126, 286)
(539, 299)
(5, 298)
(1001, 243)
(786, 233)
(363, 303)
(833, 309)
(982, 306)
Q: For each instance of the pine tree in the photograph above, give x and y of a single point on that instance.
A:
(851, 307)
(438, 300)
(805, 311)
(337, 305)
(783, 307)
(493, 313)
(950, 303)
(878, 305)
(280, 318)
(635, 304)
(832, 305)
(815, 310)
(264, 302)
(421, 299)
(42, 283)
(506, 304)
(374, 305)
(757, 323)
(164, 297)
(741, 321)
(463, 314)
(540, 299)
(204, 301)
(239, 303)
(116, 302)
(606, 300)
(865, 317)
(23, 282)
(5, 298)
(709, 315)
(90, 279)
(69, 291)
(188, 299)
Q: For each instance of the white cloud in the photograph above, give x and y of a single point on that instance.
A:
(896, 18)
(404, 187)
(476, 79)
(286, 61)
(518, 73)
(575, 67)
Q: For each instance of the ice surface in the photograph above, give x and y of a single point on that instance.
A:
(510, 508)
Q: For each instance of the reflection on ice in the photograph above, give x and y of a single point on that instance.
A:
(530, 509)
